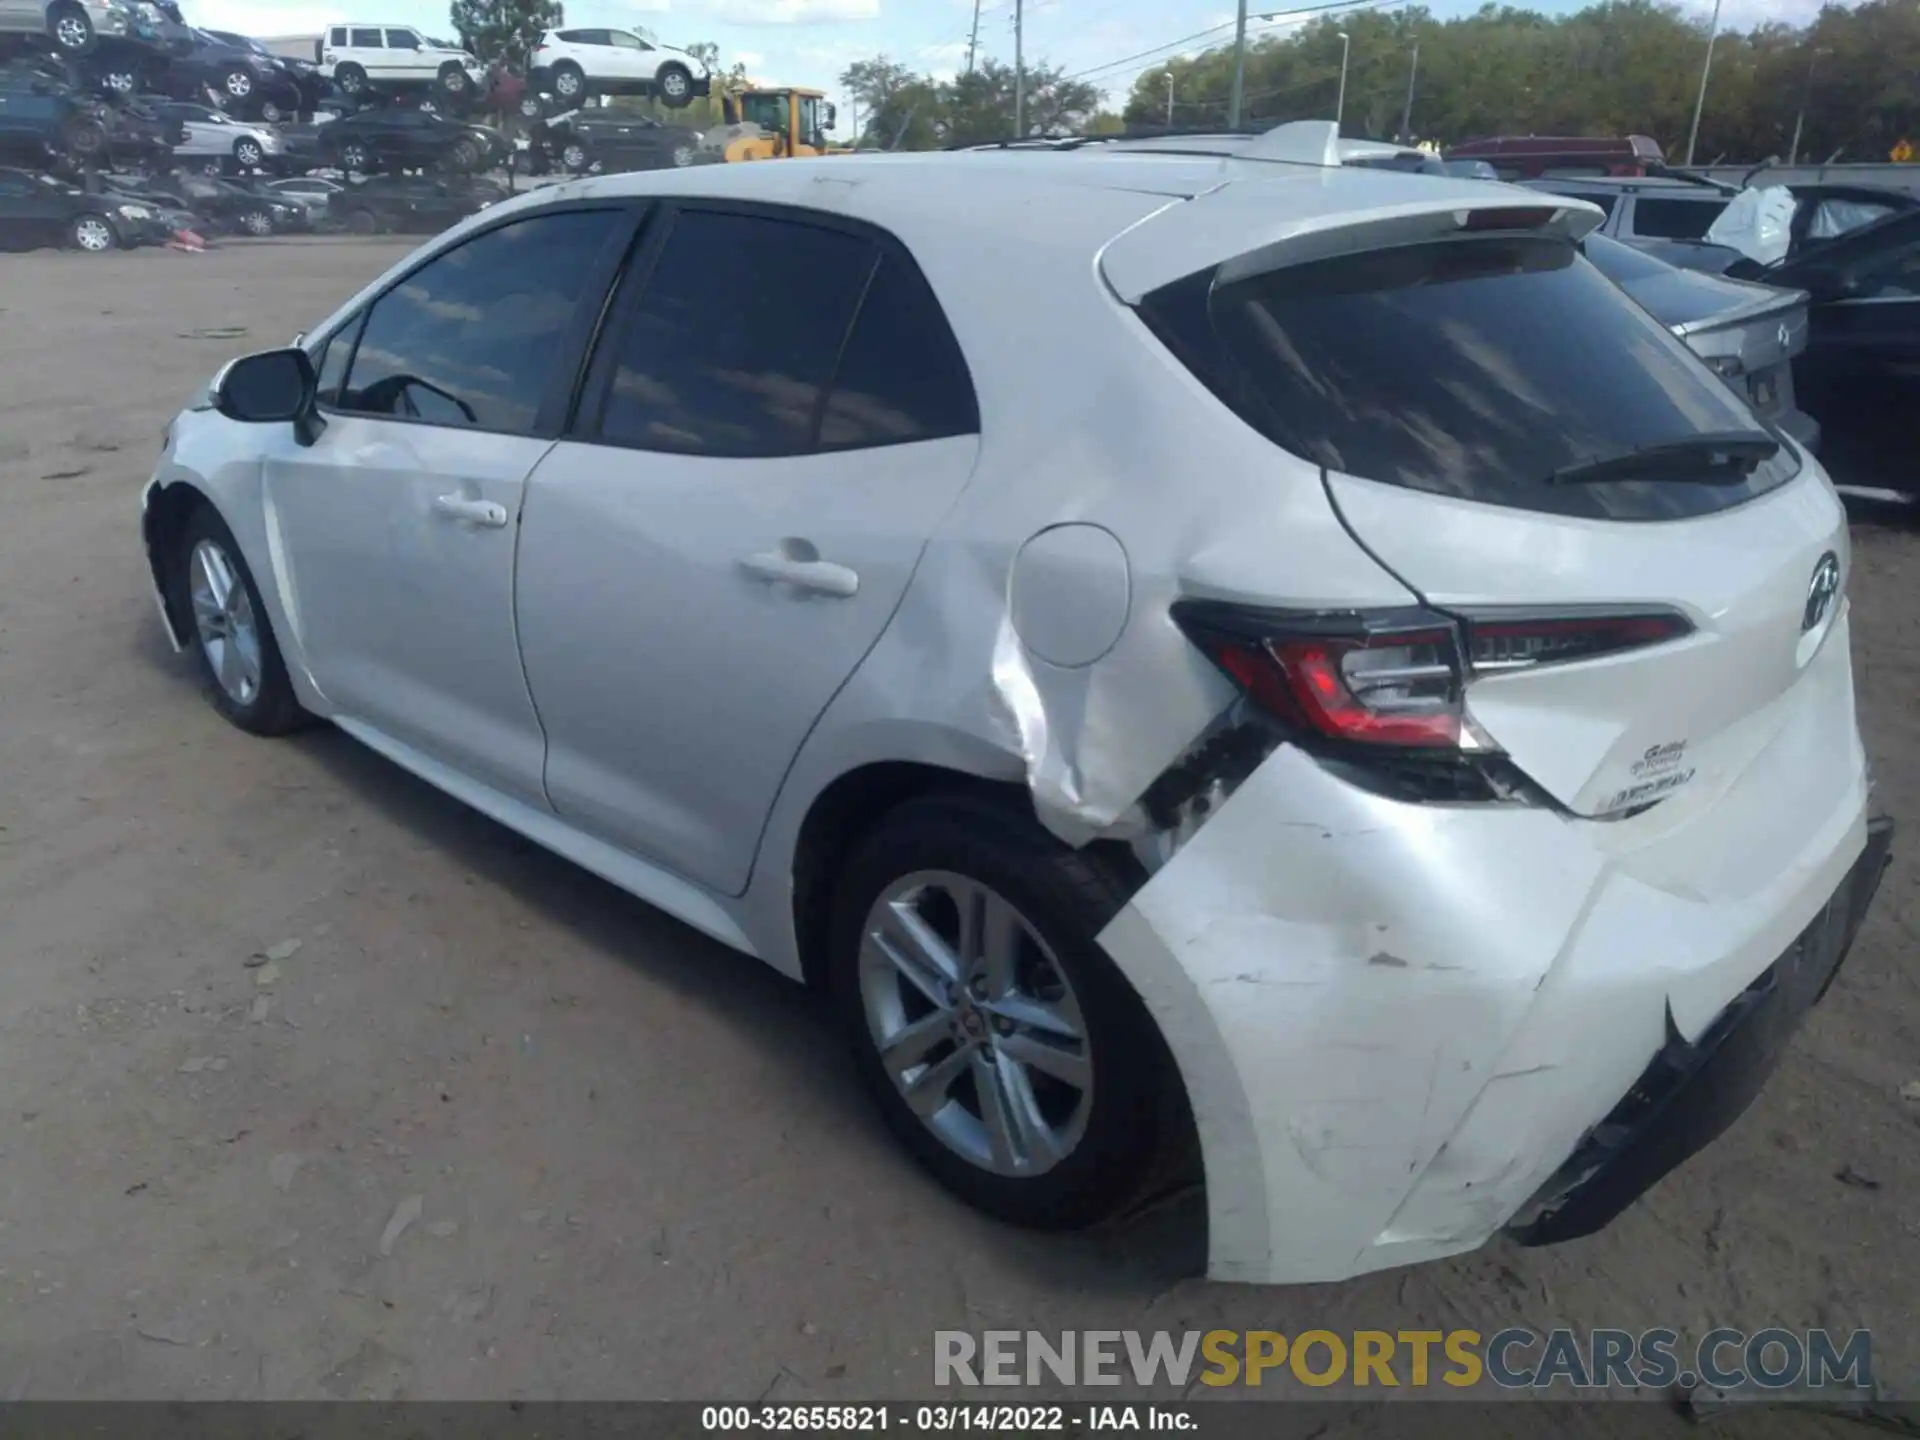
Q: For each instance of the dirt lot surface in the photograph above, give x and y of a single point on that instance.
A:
(629, 1163)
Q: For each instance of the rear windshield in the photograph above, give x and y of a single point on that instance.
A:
(1474, 368)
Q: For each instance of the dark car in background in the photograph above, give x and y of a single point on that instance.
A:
(38, 210)
(395, 137)
(229, 208)
(413, 205)
(42, 117)
(581, 140)
(1749, 334)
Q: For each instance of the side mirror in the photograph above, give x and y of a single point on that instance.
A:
(269, 388)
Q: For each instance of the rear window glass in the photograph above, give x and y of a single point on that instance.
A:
(1675, 219)
(1453, 368)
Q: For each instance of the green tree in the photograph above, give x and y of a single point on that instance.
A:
(504, 30)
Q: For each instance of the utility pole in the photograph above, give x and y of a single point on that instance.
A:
(1713, 33)
(1170, 101)
(1806, 99)
(973, 39)
(1406, 111)
(1235, 96)
(1340, 105)
(1020, 74)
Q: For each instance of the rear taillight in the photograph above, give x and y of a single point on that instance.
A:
(1398, 678)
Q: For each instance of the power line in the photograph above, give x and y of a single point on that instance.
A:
(1273, 16)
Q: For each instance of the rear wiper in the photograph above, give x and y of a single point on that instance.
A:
(1716, 457)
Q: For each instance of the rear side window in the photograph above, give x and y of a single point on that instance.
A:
(473, 338)
(366, 40)
(901, 376)
(337, 36)
(1664, 219)
(1468, 368)
(731, 346)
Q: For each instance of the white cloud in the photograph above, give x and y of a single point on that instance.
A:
(752, 59)
(790, 12)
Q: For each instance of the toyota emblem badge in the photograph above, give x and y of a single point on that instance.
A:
(1821, 589)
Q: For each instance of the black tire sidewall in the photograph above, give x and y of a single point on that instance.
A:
(1137, 1137)
(274, 710)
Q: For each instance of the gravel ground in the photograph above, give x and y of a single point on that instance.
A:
(633, 1163)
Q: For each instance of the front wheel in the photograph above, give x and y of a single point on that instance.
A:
(236, 87)
(355, 158)
(569, 81)
(1001, 1043)
(70, 28)
(351, 79)
(93, 233)
(675, 84)
(532, 107)
(257, 222)
(247, 152)
(239, 658)
(364, 222)
(455, 80)
(464, 156)
(574, 157)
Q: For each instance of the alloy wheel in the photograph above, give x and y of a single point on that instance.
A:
(239, 84)
(976, 1023)
(257, 222)
(120, 82)
(574, 157)
(567, 83)
(683, 155)
(71, 32)
(93, 234)
(674, 85)
(247, 153)
(224, 619)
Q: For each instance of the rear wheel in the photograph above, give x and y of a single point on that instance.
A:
(70, 28)
(682, 156)
(236, 86)
(574, 157)
(257, 222)
(85, 137)
(93, 233)
(1002, 1045)
(351, 79)
(455, 80)
(239, 658)
(271, 113)
(355, 157)
(675, 83)
(364, 222)
(569, 81)
(465, 155)
(531, 107)
(120, 80)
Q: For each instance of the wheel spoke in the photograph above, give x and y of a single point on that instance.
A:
(1028, 1013)
(929, 1091)
(996, 943)
(1067, 1066)
(908, 1046)
(213, 569)
(917, 951)
(1020, 1138)
(231, 668)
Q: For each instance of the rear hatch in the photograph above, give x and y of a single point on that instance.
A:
(1633, 573)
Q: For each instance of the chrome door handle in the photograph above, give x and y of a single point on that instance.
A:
(474, 512)
(823, 577)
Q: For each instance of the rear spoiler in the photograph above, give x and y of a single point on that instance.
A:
(1249, 226)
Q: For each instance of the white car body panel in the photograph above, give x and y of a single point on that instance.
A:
(1393, 1021)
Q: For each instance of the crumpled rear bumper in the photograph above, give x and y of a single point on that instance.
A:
(1396, 1022)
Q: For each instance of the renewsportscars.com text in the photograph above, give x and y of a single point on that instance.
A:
(1517, 1358)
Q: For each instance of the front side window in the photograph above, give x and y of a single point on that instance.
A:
(624, 41)
(769, 112)
(709, 365)
(402, 40)
(1892, 277)
(472, 339)
(1665, 219)
(1446, 367)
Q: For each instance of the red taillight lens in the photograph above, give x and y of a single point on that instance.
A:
(1398, 678)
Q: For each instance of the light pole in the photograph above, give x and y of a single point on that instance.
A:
(1340, 105)
(1235, 94)
(1706, 69)
(1169, 99)
(1406, 111)
(1806, 99)
(1020, 74)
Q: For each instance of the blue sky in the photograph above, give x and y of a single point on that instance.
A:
(809, 42)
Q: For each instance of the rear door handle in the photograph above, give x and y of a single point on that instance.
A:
(822, 577)
(484, 513)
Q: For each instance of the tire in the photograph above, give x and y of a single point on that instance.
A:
(247, 152)
(351, 79)
(213, 166)
(464, 156)
(455, 81)
(531, 107)
(355, 158)
(257, 223)
(122, 82)
(674, 84)
(93, 233)
(85, 138)
(364, 222)
(1128, 1137)
(575, 158)
(71, 29)
(236, 86)
(267, 706)
(271, 113)
(569, 82)
(683, 156)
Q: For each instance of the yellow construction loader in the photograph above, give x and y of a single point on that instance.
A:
(773, 123)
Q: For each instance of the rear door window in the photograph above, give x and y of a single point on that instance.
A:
(1668, 218)
(1453, 367)
(366, 40)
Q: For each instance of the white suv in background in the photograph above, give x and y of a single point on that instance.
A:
(357, 55)
(572, 64)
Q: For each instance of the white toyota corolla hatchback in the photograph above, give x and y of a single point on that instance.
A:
(1226, 667)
